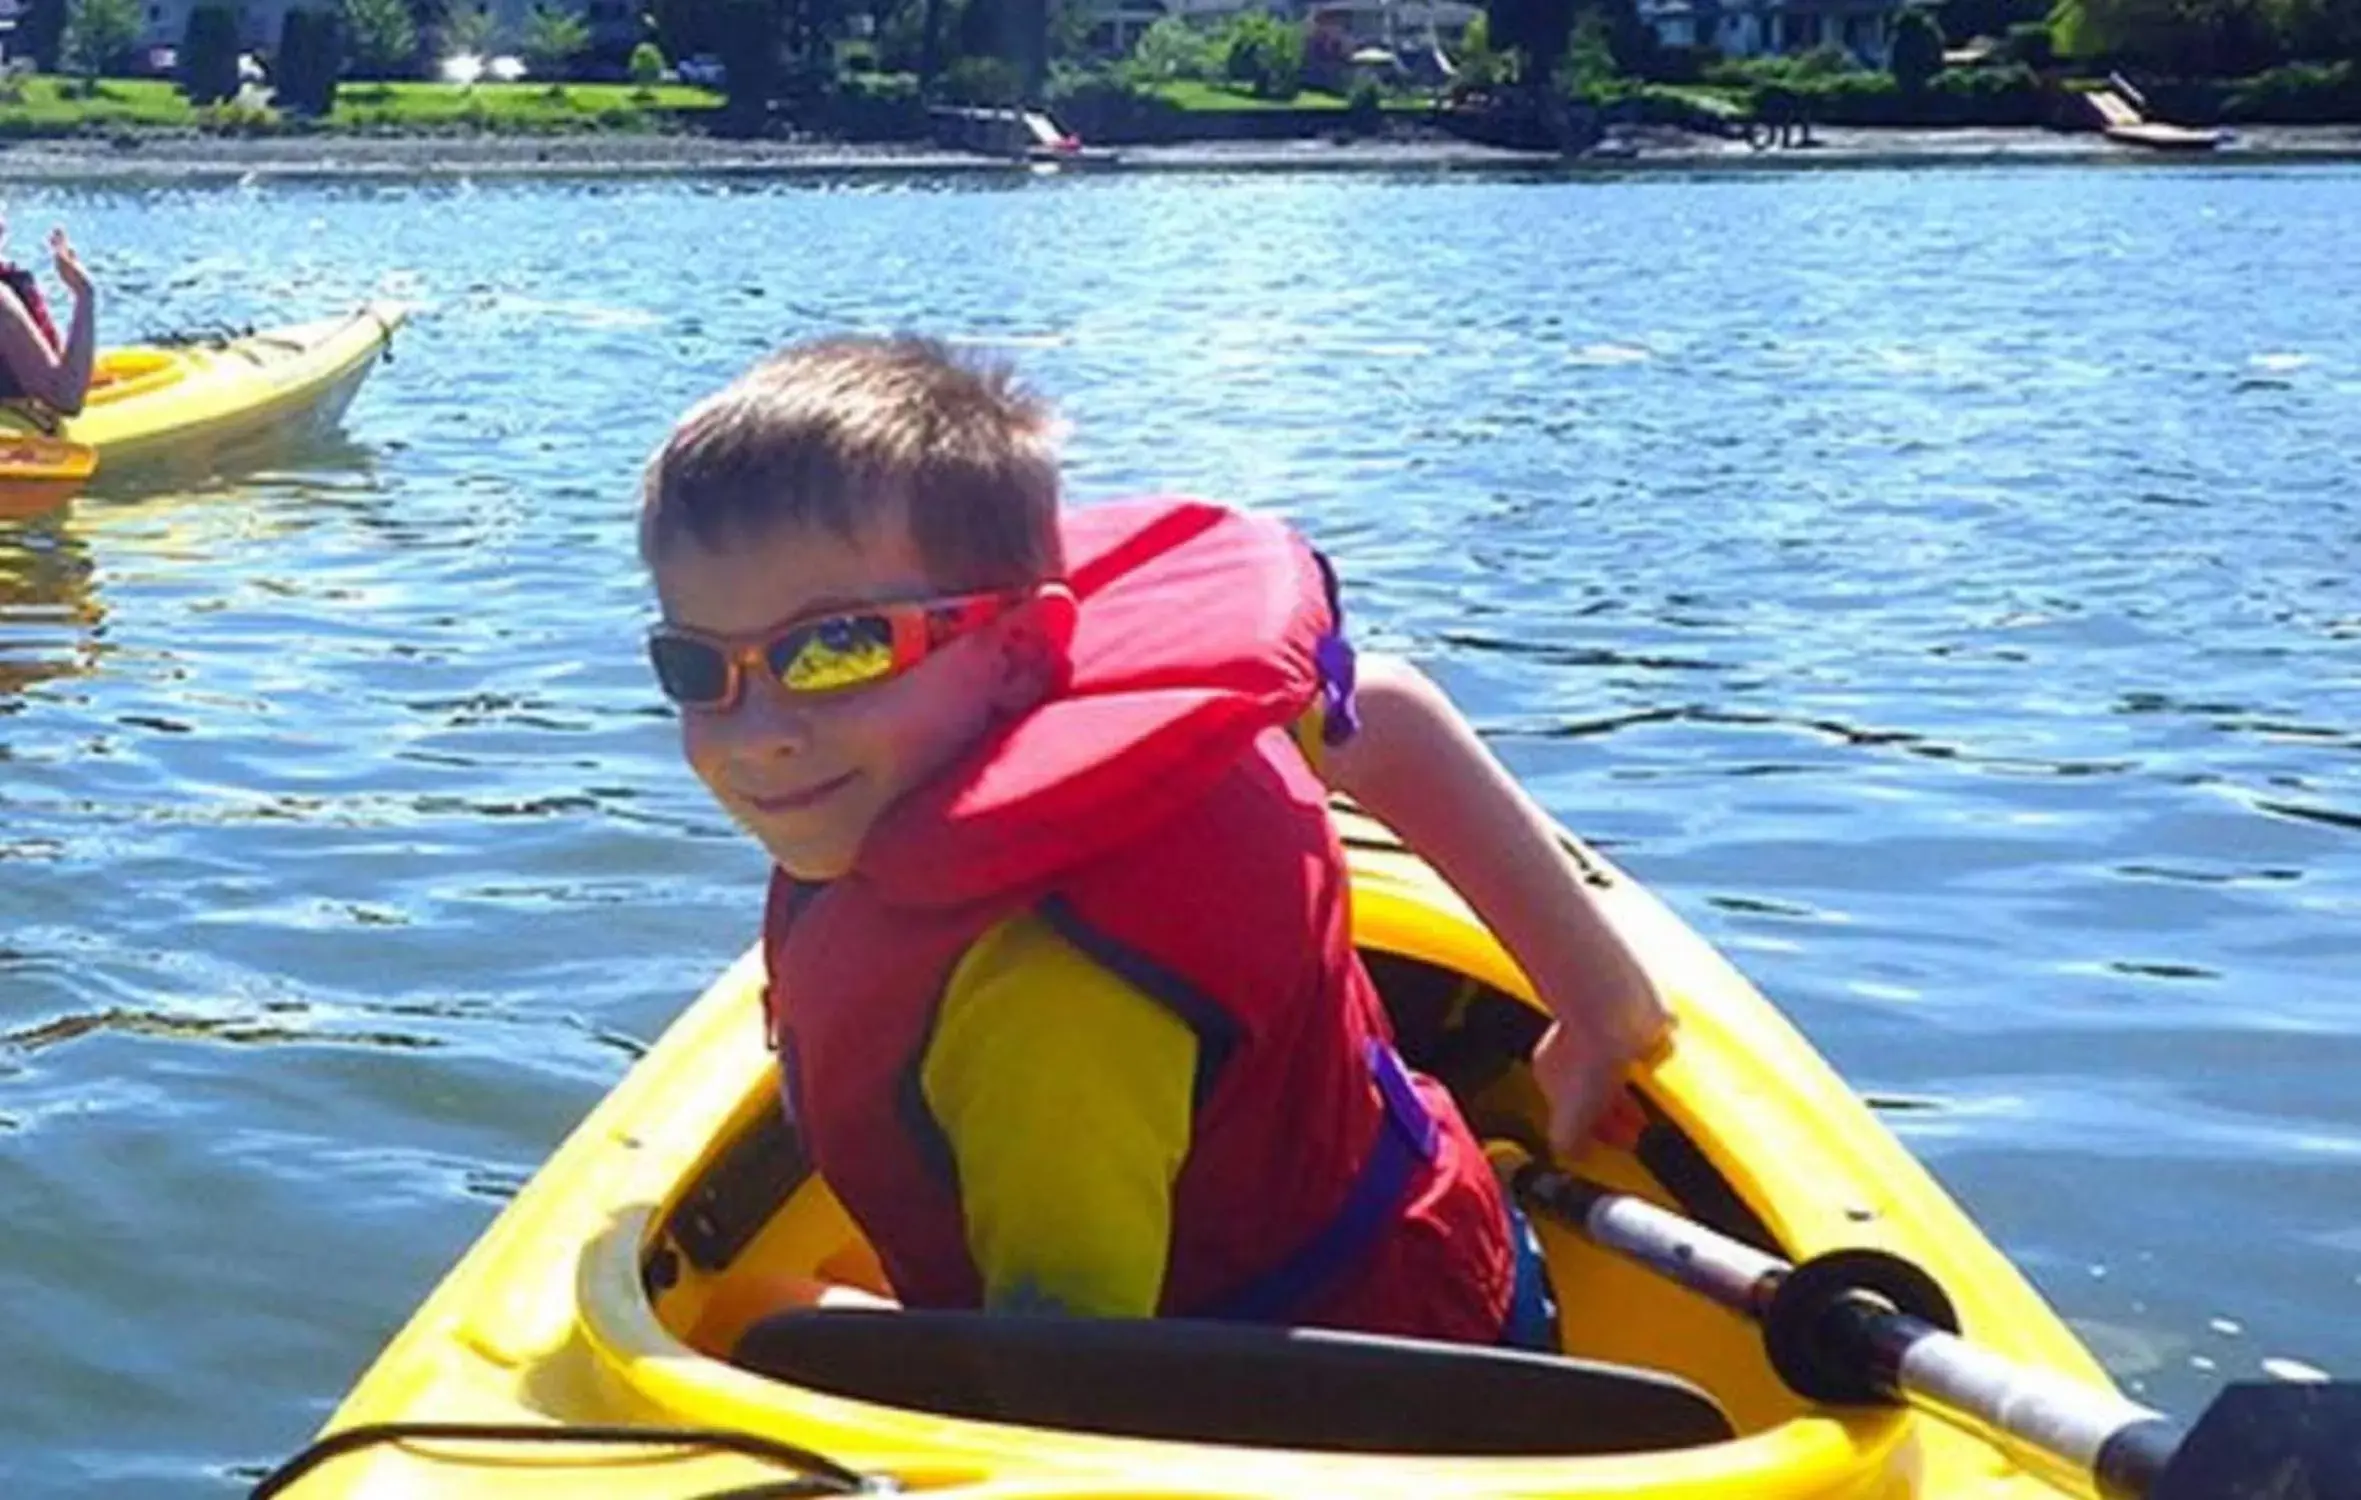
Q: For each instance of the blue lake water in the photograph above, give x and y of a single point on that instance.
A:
(1939, 585)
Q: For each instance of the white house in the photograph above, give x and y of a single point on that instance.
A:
(1394, 24)
(1752, 28)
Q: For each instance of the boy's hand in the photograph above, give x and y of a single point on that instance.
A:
(1584, 1085)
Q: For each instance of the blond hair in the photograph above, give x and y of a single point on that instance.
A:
(837, 431)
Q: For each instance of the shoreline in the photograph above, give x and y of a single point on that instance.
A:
(229, 159)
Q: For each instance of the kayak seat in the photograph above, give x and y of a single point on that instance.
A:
(1233, 1383)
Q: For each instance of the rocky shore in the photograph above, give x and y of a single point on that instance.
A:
(204, 158)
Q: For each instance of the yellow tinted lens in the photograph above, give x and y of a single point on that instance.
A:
(842, 652)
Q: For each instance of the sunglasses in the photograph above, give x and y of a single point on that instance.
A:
(817, 654)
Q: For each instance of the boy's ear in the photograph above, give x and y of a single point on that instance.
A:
(1034, 641)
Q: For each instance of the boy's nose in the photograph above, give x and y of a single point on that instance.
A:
(769, 719)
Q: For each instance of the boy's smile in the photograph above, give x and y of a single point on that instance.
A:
(809, 774)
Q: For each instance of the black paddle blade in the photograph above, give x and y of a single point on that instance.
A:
(2271, 1441)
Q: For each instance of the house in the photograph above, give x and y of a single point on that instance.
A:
(1116, 25)
(1394, 24)
(164, 23)
(1753, 28)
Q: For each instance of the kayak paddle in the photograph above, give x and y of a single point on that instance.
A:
(1863, 1327)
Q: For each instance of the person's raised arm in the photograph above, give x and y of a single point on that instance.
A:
(70, 373)
(57, 377)
(1417, 765)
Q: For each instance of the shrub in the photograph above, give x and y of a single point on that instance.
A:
(647, 65)
(1172, 50)
(230, 117)
(2300, 93)
(2030, 43)
(1265, 54)
(1112, 105)
(1364, 111)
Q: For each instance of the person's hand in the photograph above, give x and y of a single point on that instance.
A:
(1583, 1083)
(69, 265)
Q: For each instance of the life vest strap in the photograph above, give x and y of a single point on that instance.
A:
(1409, 1138)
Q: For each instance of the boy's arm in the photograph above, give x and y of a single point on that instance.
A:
(1065, 1096)
(1418, 766)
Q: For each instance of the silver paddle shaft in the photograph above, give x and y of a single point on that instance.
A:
(2085, 1439)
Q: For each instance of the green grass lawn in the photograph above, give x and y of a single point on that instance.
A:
(515, 105)
(1215, 98)
(48, 105)
(45, 103)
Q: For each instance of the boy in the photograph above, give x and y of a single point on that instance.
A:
(1061, 980)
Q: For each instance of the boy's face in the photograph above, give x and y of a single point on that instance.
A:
(809, 774)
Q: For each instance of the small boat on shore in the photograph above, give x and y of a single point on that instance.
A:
(1025, 136)
(2122, 114)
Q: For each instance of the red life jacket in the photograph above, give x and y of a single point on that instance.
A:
(1155, 812)
(28, 291)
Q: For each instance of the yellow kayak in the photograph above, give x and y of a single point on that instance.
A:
(153, 402)
(608, 1292)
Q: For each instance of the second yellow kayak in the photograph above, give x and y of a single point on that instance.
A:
(154, 402)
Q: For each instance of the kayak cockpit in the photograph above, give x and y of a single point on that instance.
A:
(755, 1214)
(1176, 1380)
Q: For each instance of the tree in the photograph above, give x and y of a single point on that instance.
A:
(2185, 38)
(747, 32)
(687, 28)
(1590, 58)
(1536, 30)
(471, 32)
(1918, 50)
(553, 39)
(930, 45)
(2317, 30)
(1965, 20)
(1173, 49)
(97, 33)
(41, 33)
(311, 54)
(1479, 67)
(1265, 54)
(1024, 41)
(209, 55)
(382, 36)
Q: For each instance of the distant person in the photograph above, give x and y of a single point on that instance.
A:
(36, 364)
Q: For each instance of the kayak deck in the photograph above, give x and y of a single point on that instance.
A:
(610, 1289)
(155, 402)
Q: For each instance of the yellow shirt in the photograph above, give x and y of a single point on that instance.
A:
(1065, 1094)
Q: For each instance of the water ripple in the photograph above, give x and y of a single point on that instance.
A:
(1942, 591)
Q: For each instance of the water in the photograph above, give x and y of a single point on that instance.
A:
(1939, 585)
